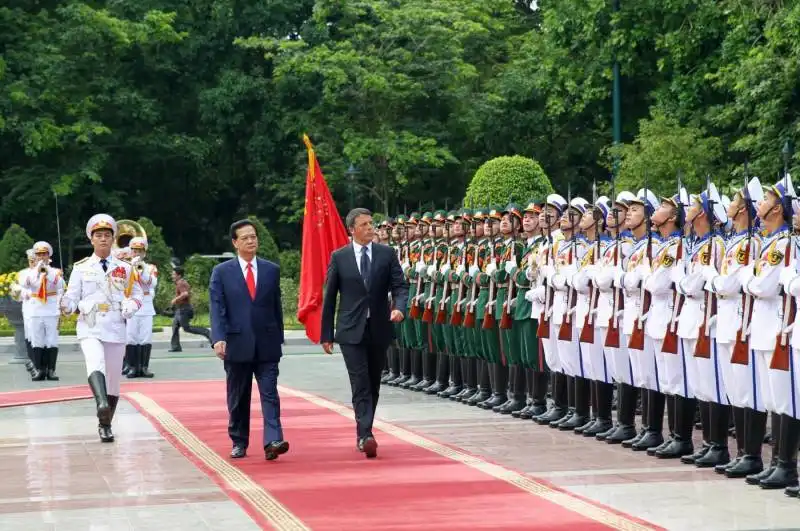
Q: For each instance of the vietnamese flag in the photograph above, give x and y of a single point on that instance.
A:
(323, 233)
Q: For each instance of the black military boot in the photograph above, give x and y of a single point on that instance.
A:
(415, 356)
(469, 379)
(499, 382)
(442, 375)
(144, 353)
(428, 371)
(484, 387)
(539, 393)
(525, 412)
(592, 417)
(751, 463)
(582, 394)
(705, 425)
(40, 365)
(560, 405)
(392, 365)
(516, 391)
(105, 431)
(785, 473)
(717, 453)
(684, 424)
(455, 383)
(405, 368)
(602, 424)
(504, 384)
(135, 360)
(626, 418)
(755, 479)
(52, 357)
(97, 382)
(670, 403)
(30, 365)
(738, 422)
(653, 436)
(126, 361)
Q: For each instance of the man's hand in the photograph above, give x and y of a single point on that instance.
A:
(172, 302)
(328, 348)
(219, 349)
(396, 317)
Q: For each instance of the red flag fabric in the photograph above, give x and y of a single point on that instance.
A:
(323, 233)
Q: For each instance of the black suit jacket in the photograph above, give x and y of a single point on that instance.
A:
(344, 280)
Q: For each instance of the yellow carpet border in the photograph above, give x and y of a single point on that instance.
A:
(577, 505)
(278, 516)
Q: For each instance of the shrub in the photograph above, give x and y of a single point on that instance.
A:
(13, 246)
(197, 271)
(289, 292)
(290, 264)
(158, 252)
(517, 178)
(267, 249)
(165, 291)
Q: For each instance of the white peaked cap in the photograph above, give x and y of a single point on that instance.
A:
(43, 247)
(100, 221)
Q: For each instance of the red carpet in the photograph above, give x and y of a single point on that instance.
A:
(44, 396)
(325, 484)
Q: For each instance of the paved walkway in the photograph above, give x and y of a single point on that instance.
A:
(58, 476)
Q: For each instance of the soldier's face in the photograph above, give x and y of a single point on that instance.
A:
(663, 213)
(383, 233)
(140, 253)
(736, 206)
(457, 230)
(768, 205)
(102, 239)
(397, 232)
(587, 220)
(43, 257)
(615, 219)
(530, 222)
(634, 216)
(506, 224)
(479, 230)
(438, 230)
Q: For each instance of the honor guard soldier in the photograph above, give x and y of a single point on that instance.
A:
(422, 327)
(436, 283)
(414, 258)
(455, 232)
(763, 285)
(459, 298)
(543, 298)
(609, 309)
(395, 239)
(139, 330)
(104, 291)
(45, 287)
(526, 317)
(732, 332)
(631, 281)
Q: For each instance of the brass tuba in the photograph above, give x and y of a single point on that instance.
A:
(126, 231)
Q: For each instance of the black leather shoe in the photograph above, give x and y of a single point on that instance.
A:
(478, 398)
(793, 492)
(552, 415)
(755, 479)
(434, 389)
(105, 433)
(620, 434)
(369, 446)
(784, 475)
(599, 426)
(565, 418)
(663, 445)
(575, 421)
(452, 390)
(678, 448)
(238, 452)
(524, 411)
(748, 465)
(628, 443)
(716, 455)
(724, 467)
(538, 410)
(274, 449)
(691, 459)
(650, 439)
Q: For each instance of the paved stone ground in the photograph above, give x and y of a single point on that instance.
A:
(58, 477)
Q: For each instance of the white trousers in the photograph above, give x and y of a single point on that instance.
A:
(725, 370)
(783, 386)
(139, 330)
(744, 384)
(44, 331)
(763, 392)
(709, 385)
(106, 358)
(26, 327)
(595, 365)
(619, 361)
(569, 352)
(675, 377)
(643, 362)
(550, 345)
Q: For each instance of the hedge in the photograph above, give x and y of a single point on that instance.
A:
(13, 247)
(501, 179)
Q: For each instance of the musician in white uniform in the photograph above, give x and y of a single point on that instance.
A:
(103, 289)
(140, 327)
(43, 287)
(21, 295)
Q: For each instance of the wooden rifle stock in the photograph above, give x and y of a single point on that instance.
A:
(587, 332)
(506, 321)
(565, 330)
(441, 313)
(741, 348)
(612, 335)
(415, 311)
(670, 344)
(702, 348)
(489, 321)
(427, 314)
(636, 341)
(780, 356)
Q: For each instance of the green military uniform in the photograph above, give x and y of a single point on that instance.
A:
(400, 247)
(422, 328)
(452, 334)
(437, 283)
(408, 325)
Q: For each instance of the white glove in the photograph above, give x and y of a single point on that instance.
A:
(617, 282)
(473, 271)
(676, 274)
(530, 295)
(548, 271)
(539, 293)
(709, 273)
(787, 275)
(86, 307)
(510, 267)
(460, 269)
(491, 268)
(405, 265)
(431, 271)
(445, 269)
(420, 267)
(129, 308)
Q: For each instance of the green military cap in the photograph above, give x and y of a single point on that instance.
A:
(533, 206)
(479, 213)
(427, 217)
(465, 214)
(495, 213)
(401, 219)
(387, 222)
(514, 210)
(439, 215)
(413, 219)
(452, 215)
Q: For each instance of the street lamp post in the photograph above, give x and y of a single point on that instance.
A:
(351, 173)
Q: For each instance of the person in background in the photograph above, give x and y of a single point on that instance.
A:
(184, 312)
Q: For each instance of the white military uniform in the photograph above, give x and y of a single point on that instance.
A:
(44, 291)
(105, 297)
(594, 362)
(140, 326)
(570, 255)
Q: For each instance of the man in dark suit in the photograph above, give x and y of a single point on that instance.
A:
(363, 274)
(247, 334)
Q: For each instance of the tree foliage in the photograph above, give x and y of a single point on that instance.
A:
(13, 249)
(507, 179)
(267, 249)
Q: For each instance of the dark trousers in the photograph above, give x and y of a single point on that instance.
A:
(183, 316)
(239, 380)
(365, 362)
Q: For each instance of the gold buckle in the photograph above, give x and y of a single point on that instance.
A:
(103, 307)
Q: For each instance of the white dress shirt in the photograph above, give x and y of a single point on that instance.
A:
(359, 249)
(243, 265)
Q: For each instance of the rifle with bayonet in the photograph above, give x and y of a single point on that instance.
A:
(781, 355)
(506, 319)
(612, 335)
(740, 355)
(587, 332)
(636, 341)
(565, 330)
(702, 348)
(441, 314)
(670, 344)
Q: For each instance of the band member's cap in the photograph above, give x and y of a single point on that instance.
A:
(783, 189)
(100, 221)
(603, 204)
(679, 200)
(42, 247)
(123, 253)
(753, 192)
(726, 201)
(649, 200)
(30, 253)
(138, 243)
(557, 202)
(712, 204)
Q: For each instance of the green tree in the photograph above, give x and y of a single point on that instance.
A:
(13, 249)
(160, 254)
(290, 264)
(501, 179)
(197, 271)
(267, 249)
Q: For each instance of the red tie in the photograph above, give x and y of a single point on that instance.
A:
(251, 281)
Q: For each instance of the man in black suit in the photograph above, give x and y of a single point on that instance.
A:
(363, 274)
(247, 334)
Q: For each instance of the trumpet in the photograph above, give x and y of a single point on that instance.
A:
(42, 268)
